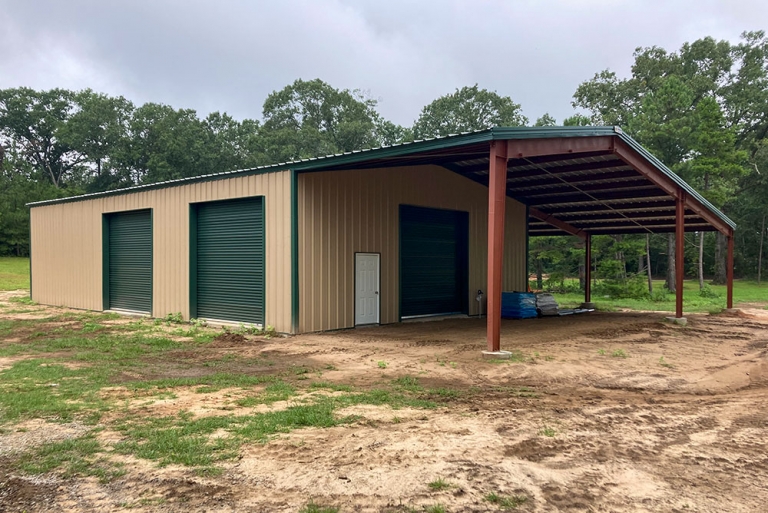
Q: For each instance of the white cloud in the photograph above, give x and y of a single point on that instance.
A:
(229, 55)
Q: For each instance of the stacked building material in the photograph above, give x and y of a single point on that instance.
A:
(518, 305)
(546, 304)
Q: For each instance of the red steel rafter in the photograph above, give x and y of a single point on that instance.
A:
(538, 214)
(645, 168)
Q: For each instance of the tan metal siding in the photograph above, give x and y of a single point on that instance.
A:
(66, 244)
(344, 212)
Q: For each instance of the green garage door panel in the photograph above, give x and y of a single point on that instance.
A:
(433, 261)
(230, 260)
(130, 261)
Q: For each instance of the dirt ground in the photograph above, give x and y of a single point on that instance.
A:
(605, 412)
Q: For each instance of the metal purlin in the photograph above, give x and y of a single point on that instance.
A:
(538, 166)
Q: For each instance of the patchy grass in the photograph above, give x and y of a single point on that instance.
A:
(548, 431)
(407, 383)
(312, 507)
(439, 484)
(506, 501)
(278, 391)
(14, 273)
(186, 440)
(444, 393)
(619, 353)
(73, 357)
(40, 388)
(74, 457)
(746, 291)
(512, 391)
(208, 383)
(334, 387)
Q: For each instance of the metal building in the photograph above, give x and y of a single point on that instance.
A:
(361, 238)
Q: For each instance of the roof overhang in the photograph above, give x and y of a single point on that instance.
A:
(575, 180)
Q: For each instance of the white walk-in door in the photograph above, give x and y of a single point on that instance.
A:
(366, 288)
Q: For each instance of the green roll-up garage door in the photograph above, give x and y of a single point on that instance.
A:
(230, 260)
(130, 260)
(433, 261)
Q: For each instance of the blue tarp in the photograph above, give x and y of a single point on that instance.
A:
(518, 305)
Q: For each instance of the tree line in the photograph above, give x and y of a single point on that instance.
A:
(703, 110)
(60, 143)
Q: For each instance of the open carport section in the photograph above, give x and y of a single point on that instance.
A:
(450, 216)
(579, 181)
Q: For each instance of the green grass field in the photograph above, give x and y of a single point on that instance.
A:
(14, 273)
(744, 291)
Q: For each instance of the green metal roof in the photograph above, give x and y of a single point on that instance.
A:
(351, 157)
(411, 148)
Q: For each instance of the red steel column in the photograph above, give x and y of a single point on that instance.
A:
(588, 270)
(679, 252)
(497, 197)
(729, 271)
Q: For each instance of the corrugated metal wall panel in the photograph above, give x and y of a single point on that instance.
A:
(66, 244)
(343, 212)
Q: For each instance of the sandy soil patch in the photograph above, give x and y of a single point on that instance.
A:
(617, 412)
(31, 433)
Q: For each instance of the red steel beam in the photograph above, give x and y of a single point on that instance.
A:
(679, 252)
(645, 168)
(588, 269)
(538, 214)
(729, 271)
(525, 148)
(497, 198)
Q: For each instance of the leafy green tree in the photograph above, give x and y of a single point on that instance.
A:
(96, 127)
(311, 119)
(231, 144)
(18, 186)
(558, 258)
(698, 109)
(467, 110)
(32, 120)
(163, 144)
(750, 212)
(745, 93)
(389, 133)
(578, 120)
(546, 120)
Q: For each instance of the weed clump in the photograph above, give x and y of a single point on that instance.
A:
(506, 501)
(439, 484)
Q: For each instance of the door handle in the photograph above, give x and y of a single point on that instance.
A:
(377, 292)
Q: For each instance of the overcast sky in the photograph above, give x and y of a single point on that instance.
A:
(228, 55)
